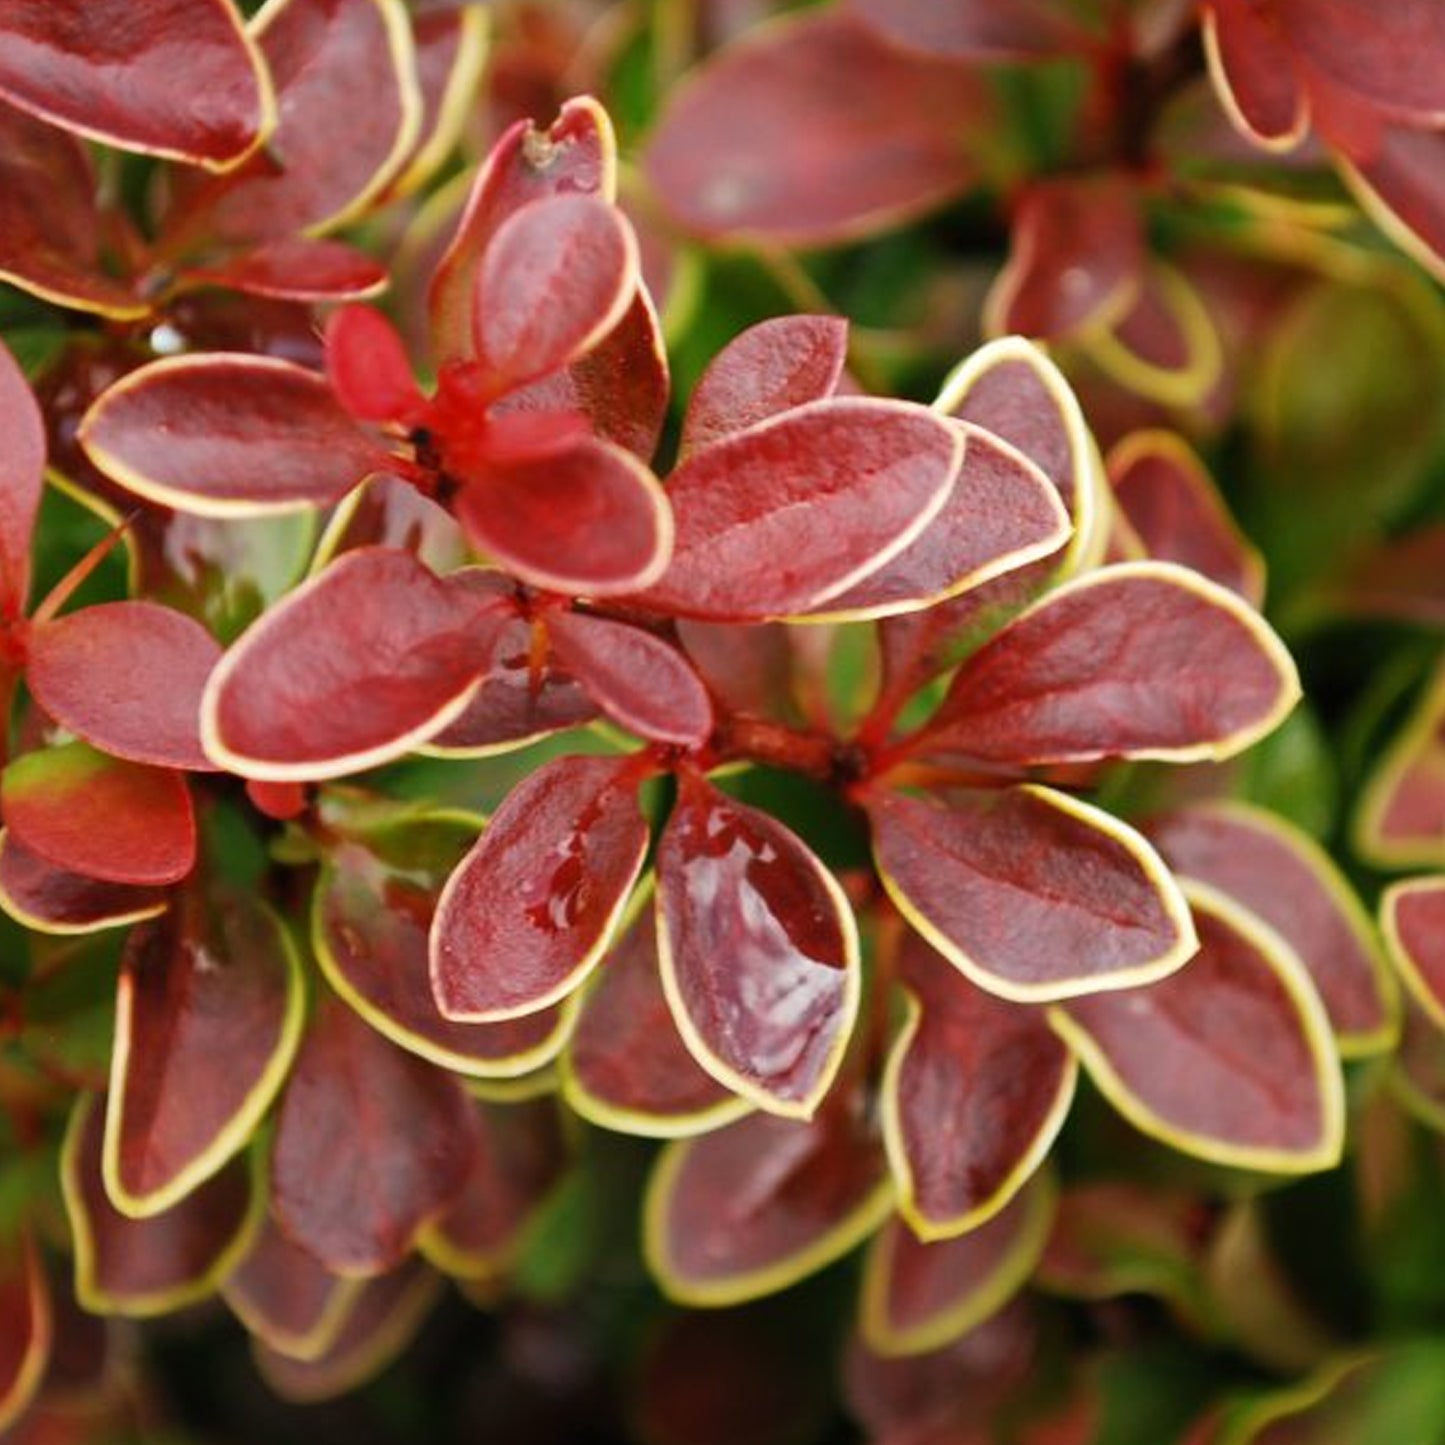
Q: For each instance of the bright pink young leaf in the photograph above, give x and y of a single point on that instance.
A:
(150, 1266)
(348, 112)
(1229, 1059)
(748, 1210)
(1413, 913)
(533, 906)
(117, 821)
(769, 368)
(371, 914)
(22, 463)
(1002, 514)
(127, 677)
(920, 1296)
(29, 1324)
(812, 131)
(1171, 502)
(296, 269)
(1031, 893)
(287, 1297)
(637, 679)
(1144, 660)
(371, 1143)
(556, 277)
(576, 155)
(172, 77)
(973, 30)
(354, 668)
(227, 436)
(589, 520)
(758, 948)
(208, 1016)
(368, 368)
(519, 1158)
(778, 519)
(1254, 72)
(1289, 882)
(975, 1091)
(1402, 185)
(626, 1066)
(52, 900)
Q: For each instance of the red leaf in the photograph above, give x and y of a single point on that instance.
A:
(25, 1342)
(349, 110)
(49, 228)
(1031, 893)
(994, 1071)
(625, 1066)
(386, 511)
(368, 368)
(1171, 502)
(1289, 882)
(1229, 1059)
(1255, 73)
(150, 1266)
(296, 269)
(770, 368)
(758, 948)
(50, 900)
(1413, 916)
(208, 1016)
(354, 668)
(371, 915)
(371, 1143)
(576, 155)
(1002, 514)
(127, 677)
(1402, 813)
(1401, 186)
(533, 906)
(87, 813)
(919, 1297)
(172, 77)
(639, 680)
(590, 520)
(780, 518)
(1141, 660)
(227, 436)
(751, 1209)
(556, 277)
(973, 30)
(813, 131)
(22, 462)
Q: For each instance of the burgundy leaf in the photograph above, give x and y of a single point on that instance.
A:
(1033, 894)
(770, 368)
(354, 668)
(25, 1342)
(533, 906)
(1254, 73)
(758, 948)
(1413, 915)
(780, 518)
(973, 30)
(22, 463)
(368, 368)
(208, 1017)
(814, 131)
(150, 1266)
(556, 276)
(1402, 812)
(748, 669)
(639, 680)
(371, 916)
(84, 812)
(1290, 883)
(1230, 1059)
(173, 77)
(228, 436)
(919, 1296)
(371, 1143)
(127, 677)
(589, 520)
(625, 1066)
(50, 900)
(1400, 185)
(975, 1091)
(296, 269)
(576, 155)
(1143, 660)
(751, 1209)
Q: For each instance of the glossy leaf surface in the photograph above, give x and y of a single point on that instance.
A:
(22, 461)
(532, 907)
(1413, 914)
(296, 269)
(758, 950)
(52, 900)
(1253, 71)
(368, 367)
